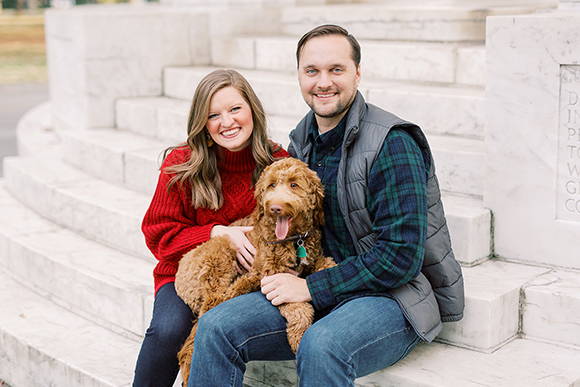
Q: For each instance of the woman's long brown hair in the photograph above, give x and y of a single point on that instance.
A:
(201, 171)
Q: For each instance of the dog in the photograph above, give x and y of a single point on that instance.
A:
(286, 234)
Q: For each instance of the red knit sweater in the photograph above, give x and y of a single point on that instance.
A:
(172, 226)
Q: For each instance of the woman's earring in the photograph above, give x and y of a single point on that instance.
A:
(209, 140)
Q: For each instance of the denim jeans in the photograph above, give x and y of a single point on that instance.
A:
(171, 323)
(357, 338)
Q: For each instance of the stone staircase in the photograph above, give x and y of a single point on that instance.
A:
(76, 276)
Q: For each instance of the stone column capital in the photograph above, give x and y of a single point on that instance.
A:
(569, 5)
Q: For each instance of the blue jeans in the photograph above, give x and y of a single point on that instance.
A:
(357, 338)
(171, 323)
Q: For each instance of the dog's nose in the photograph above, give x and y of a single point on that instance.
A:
(275, 209)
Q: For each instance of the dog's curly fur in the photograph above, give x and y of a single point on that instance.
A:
(207, 275)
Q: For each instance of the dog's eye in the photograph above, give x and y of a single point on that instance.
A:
(293, 185)
(272, 185)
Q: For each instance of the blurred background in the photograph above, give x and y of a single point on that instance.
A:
(22, 66)
(23, 76)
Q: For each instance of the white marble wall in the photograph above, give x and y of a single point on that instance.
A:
(533, 136)
(569, 4)
(98, 54)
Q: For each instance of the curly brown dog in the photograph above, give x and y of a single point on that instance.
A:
(286, 234)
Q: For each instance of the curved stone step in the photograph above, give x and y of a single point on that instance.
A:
(95, 209)
(156, 117)
(86, 278)
(520, 363)
(42, 344)
(35, 133)
(396, 21)
(440, 110)
(116, 156)
(380, 60)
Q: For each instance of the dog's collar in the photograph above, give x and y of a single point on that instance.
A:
(301, 254)
(299, 237)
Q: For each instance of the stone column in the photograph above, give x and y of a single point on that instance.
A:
(533, 135)
(569, 5)
(97, 54)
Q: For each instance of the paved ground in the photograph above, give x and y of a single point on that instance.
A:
(15, 100)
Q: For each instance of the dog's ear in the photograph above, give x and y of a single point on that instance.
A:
(317, 197)
(259, 191)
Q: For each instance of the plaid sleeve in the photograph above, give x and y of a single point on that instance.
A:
(397, 203)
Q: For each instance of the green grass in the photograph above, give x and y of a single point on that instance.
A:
(22, 49)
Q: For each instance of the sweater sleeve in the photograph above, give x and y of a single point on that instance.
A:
(169, 232)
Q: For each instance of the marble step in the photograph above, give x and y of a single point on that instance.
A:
(35, 133)
(450, 110)
(456, 21)
(116, 156)
(551, 308)
(84, 277)
(492, 305)
(459, 163)
(42, 344)
(521, 363)
(382, 60)
(98, 210)
(156, 117)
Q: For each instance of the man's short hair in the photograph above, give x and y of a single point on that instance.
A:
(329, 29)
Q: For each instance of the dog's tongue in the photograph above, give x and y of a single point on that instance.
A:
(282, 226)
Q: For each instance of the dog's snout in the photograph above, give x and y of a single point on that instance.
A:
(275, 209)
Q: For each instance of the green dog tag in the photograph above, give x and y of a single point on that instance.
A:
(301, 252)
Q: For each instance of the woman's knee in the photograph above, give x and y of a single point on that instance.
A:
(169, 331)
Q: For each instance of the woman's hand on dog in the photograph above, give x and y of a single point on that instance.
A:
(282, 288)
(245, 250)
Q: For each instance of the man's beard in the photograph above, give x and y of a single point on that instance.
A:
(340, 108)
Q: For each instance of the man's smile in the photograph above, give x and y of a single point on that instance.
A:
(325, 95)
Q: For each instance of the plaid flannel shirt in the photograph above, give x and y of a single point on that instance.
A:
(397, 202)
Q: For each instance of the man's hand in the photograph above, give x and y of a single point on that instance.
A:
(284, 287)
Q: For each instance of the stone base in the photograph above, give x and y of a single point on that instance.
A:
(533, 136)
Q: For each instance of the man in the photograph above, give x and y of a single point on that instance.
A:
(378, 302)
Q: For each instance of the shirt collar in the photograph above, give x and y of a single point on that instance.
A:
(331, 138)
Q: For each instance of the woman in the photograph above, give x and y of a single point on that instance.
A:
(204, 185)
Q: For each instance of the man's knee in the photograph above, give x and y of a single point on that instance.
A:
(214, 323)
(319, 342)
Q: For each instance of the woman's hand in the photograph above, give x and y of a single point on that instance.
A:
(237, 234)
